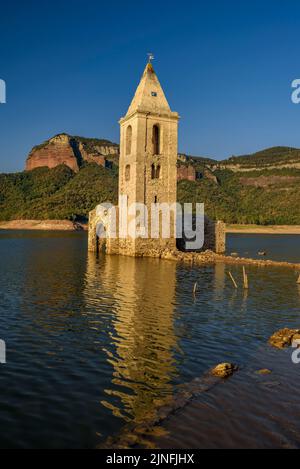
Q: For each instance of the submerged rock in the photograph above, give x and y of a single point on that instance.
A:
(284, 337)
(139, 433)
(264, 371)
(224, 370)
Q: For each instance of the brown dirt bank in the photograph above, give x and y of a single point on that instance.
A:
(258, 229)
(51, 225)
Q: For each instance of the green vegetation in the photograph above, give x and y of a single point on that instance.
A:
(269, 156)
(233, 202)
(56, 193)
(60, 193)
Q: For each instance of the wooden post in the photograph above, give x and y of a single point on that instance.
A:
(245, 276)
(195, 288)
(232, 279)
(298, 281)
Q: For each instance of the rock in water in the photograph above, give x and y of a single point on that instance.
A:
(264, 371)
(137, 433)
(224, 370)
(283, 337)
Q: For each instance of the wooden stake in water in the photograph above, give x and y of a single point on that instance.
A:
(245, 276)
(195, 288)
(298, 281)
(232, 279)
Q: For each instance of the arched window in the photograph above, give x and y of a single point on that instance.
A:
(155, 171)
(127, 172)
(128, 139)
(156, 140)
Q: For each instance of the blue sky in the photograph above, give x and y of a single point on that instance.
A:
(226, 67)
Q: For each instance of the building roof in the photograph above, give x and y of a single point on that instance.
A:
(149, 95)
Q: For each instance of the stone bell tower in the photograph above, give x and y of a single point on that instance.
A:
(147, 168)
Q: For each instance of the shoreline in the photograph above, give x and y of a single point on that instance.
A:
(45, 225)
(260, 229)
(67, 225)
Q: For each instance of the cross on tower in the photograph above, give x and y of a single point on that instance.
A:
(150, 57)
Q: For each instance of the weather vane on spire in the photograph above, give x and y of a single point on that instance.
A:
(150, 57)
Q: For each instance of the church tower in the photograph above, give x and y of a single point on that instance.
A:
(147, 167)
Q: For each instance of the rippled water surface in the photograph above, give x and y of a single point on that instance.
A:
(276, 247)
(93, 343)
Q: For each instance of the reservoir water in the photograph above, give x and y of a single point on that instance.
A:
(94, 343)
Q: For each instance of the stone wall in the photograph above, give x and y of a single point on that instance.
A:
(135, 172)
(100, 218)
(214, 239)
(214, 236)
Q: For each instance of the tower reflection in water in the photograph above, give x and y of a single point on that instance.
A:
(138, 295)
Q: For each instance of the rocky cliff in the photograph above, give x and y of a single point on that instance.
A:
(72, 151)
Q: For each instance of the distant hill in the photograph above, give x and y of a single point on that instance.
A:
(263, 188)
(275, 157)
(196, 159)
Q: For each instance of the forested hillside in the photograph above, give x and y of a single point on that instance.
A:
(265, 194)
(56, 193)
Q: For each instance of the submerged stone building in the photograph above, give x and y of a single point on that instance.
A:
(147, 178)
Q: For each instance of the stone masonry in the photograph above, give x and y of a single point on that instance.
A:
(147, 175)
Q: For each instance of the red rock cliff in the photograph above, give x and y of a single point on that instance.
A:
(71, 151)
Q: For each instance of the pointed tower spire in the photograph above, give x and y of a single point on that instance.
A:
(147, 164)
(149, 95)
